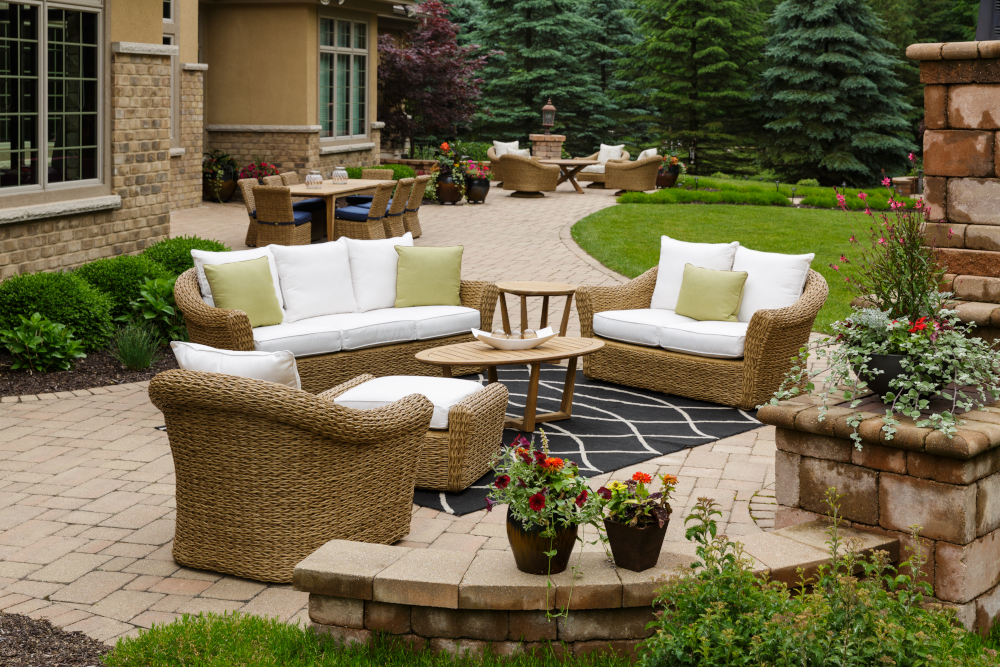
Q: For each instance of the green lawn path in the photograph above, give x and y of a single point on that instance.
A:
(626, 238)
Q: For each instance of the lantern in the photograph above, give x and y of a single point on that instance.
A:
(548, 116)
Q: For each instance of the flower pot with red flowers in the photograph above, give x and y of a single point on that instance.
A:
(637, 520)
(546, 500)
(258, 170)
(449, 177)
(477, 182)
(670, 171)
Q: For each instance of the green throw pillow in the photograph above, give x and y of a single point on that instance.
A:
(707, 294)
(246, 286)
(428, 276)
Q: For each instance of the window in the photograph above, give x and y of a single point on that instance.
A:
(168, 10)
(49, 95)
(343, 78)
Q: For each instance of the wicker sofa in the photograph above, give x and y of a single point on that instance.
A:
(772, 338)
(638, 176)
(527, 176)
(266, 474)
(596, 174)
(332, 349)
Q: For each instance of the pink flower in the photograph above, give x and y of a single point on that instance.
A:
(841, 201)
(912, 159)
(843, 258)
(853, 239)
(951, 232)
(835, 267)
(881, 241)
(862, 196)
(887, 182)
(868, 211)
(490, 504)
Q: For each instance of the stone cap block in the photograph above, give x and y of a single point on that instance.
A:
(344, 569)
(814, 534)
(547, 137)
(426, 577)
(924, 51)
(594, 585)
(960, 50)
(784, 556)
(954, 50)
(639, 588)
(494, 582)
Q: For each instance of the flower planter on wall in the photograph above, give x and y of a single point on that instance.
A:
(476, 190)
(529, 547)
(448, 191)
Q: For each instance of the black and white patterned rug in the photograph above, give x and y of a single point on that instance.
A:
(612, 427)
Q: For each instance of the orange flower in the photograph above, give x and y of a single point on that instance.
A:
(552, 464)
(669, 480)
(641, 477)
(445, 147)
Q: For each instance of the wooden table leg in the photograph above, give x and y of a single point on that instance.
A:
(446, 371)
(491, 374)
(545, 312)
(570, 176)
(331, 209)
(503, 314)
(565, 319)
(524, 313)
(566, 406)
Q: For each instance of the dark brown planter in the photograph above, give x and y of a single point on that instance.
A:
(529, 547)
(891, 366)
(476, 190)
(665, 180)
(635, 549)
(226, 191)
(447, 190)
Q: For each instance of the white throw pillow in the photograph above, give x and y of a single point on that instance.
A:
(373, 271)
(524, 152)
(649, 152)
(203, 257)
(675, 254)
(444, 393)
(315, 279)
(610, 153)
(278, 367)
(773, 280)
(500, 148)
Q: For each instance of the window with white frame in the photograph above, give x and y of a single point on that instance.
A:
(343, 78)
(49, 95)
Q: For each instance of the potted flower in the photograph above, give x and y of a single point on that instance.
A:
(218, 171)
(669, 171)
(477, 182)
(637, 519)
(546, 500)
(258, 169)
(901, 340)
(449, 179)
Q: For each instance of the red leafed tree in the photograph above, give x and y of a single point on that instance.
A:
(431, 84)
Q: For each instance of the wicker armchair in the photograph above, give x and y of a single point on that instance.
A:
(266, 474)
(772, 340)
(393, 221)
(528, 177)
(597, 179)
(315, 205)
(355, 222)
(230, 330)
(277, 222)
(411, 222)
(495, 167)
(246, 189)
(638, 176)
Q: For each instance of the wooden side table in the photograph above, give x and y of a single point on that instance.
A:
(526, 288)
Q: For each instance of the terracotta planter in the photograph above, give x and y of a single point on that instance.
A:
(447, 190)
(476, 190)
(635, 549)
(529, 547)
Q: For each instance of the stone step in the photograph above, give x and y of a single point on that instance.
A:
(956, 235)
(967, 262)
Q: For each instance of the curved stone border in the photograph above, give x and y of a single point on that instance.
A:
(462, 601)
(93, 391)
(566, 236)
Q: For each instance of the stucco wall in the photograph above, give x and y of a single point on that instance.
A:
(136, 21)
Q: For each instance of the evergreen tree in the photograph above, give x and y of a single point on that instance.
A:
(466, 14)
(831, 94)
(696, 67)
(945, 20)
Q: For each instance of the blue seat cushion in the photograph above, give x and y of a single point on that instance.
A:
(312, 205)
(253, 214)
(369, 205)
(355, 213)
(357, 200)
(301, 218)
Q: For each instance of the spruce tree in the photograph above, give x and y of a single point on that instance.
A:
(831, 94)
(696, 68)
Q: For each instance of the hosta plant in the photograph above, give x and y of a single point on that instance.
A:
(156, 306)
(38, 344)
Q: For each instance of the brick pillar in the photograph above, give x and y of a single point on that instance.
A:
(185, 169)
(546, 146)
(140, 146)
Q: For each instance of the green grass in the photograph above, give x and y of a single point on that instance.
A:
(626, 238)
(237, 640)
(675, 196)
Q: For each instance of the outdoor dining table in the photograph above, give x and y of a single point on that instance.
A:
(570, 168)
(330, 191)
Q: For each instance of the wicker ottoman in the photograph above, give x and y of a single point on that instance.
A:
(466, 430)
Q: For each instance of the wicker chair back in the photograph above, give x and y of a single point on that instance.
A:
(246, 189)
(274, 204)
(411, 222)
(290, 178)
(377, 174)
(394, 218)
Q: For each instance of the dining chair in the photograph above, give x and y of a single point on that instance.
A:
(277, 222)
(411, 222)
(397, 208)
(246, 186)
(366, 223)
(315, 205)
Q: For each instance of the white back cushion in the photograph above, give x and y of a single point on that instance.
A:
(773, 280)
(373, 270)
(649, 152)
(442, 392)
(675, 254)
(278, 367)
(315, 279)
(203, 257)
(524, 152)
(610, 153)
(501, 148)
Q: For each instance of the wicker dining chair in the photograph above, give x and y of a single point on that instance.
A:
(267, 474)
(277, 222)
(527, 176)
(638, 176)
(369, 175)
(394, 216)
(411, 221)
(356, 222)
(246, 186)
(315, 205)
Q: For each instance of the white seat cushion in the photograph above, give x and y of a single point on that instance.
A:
(721, 340)
(373, 270)
(675, 254)
(315, 279)
(773, 280)
(438, 321)
(203, 257)
(610, 153)
(316, 335)
(501, 148)
(276, 367)
(593, 169)
(444, 393)
(640, 327)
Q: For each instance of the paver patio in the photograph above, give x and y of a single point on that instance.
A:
(87, 483)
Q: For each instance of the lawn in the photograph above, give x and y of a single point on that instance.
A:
(626, 238)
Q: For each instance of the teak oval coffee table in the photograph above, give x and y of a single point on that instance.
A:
(526, 288)
(481, 354)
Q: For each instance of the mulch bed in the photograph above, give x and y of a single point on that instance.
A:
(26, 642)
(98, 369)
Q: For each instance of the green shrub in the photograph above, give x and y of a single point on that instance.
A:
(157, 307)
(175, 254)
(61, 297)
(679, 196)
(136, 345)
(398, 171)
(719, 174)
(476, 150)
(812, 182)
(828, 199)
(38, 344)
(121, 278)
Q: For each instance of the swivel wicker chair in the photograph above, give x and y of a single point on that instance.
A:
(277, 222)
(495, 167)
(411, 222)
(638, 176)
(267, 474)
(528, 177)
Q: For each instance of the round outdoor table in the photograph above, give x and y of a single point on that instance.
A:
(526, 288)
(481, 354)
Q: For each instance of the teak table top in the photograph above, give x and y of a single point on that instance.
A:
(535, 288)
(330, 188)
(481, 354)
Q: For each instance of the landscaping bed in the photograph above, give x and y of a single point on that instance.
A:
(27, 642)
(97, 369)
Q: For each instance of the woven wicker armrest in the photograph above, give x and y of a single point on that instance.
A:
(217, 327)
(333, 393)
(625, 165)
(480, 295)
(635, 294)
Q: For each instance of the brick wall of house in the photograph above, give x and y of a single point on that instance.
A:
(365, 158)
(185, 170)
(290, 151)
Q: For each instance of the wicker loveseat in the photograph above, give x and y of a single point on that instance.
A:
(527, 176)
(597, 173)
(638, 176)
(772, 338)
(266, 474)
